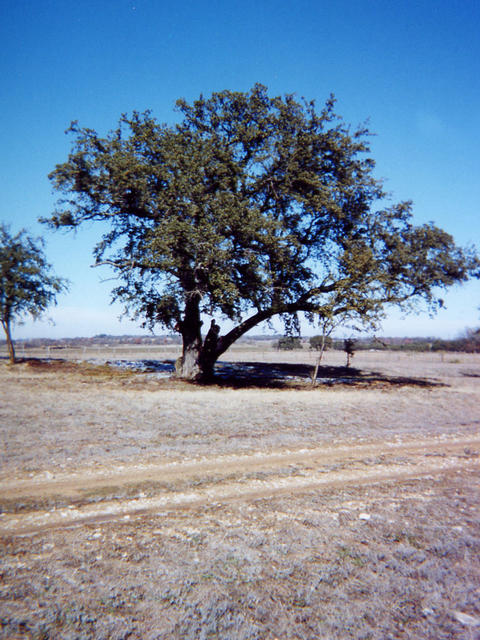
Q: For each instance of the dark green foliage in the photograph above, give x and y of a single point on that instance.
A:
(289, 343)
(349, 346)
(468, 343)
(27, 286)
(319, 343)
(250, 207)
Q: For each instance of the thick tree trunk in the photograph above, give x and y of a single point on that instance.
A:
(209, 353)
(194, 363)
(10, 347)
(198, 358)
(187, 366)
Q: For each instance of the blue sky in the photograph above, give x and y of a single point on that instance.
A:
(409, 67)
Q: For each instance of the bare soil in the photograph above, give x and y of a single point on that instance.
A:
(134, 506)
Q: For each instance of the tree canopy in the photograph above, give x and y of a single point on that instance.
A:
(27, 285)
(250, 207)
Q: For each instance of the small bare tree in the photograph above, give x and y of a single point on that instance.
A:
(327, 325)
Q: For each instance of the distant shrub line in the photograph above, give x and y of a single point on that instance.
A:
(466, 344)
(469, 343)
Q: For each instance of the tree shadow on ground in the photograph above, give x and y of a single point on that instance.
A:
(283, 375)
(238, 375)
(289, 375)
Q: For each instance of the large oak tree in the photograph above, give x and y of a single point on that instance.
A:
(250, 207)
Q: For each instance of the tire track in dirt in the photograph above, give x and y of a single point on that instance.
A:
(71, 484)
(429, 457)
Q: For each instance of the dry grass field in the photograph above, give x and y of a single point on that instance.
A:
(134, 506)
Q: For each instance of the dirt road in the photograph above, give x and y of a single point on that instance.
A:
(67, 500)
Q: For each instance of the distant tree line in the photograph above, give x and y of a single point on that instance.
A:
(469, 342)
(100, 339)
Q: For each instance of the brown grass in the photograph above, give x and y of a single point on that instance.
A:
(376, 560)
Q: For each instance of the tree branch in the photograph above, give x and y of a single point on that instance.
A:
(228, 339)
(121, 264)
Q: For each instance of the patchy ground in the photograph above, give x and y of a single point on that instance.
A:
(133, 507)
